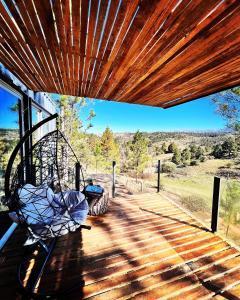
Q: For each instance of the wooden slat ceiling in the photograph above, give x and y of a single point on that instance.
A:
(151, 52)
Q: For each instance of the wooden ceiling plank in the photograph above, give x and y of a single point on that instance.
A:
(31, 58)
(6, 44)
(128, 9)
(34, 58)
(34, 19)
(40, 42)
(147, 52)
(92, 10)
(206, 63)
(60, 25)
(16, 69)
(170, 20)
(76, 41)
(226, 84)
(100, 31)
(147, 22)
(90, 37)
(179, 48)
(84, 20)
(8, 38)
(166, 52)
(47, 22)
(29, 17)
(216, 74)
(107, 41)
(203, 92)
(59, 8)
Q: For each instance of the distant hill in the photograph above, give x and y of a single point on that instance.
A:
(182, 138)
(11, 134)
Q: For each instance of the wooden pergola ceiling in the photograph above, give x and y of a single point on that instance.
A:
(152, 52)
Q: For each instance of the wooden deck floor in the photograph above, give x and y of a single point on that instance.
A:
(145, 247)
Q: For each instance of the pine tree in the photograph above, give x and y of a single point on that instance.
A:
(193, 150)
(177, 157)
(139, 153)
(109, 148)
(186, 156)
(229, 147)
(217, 151)
(199, 152)
(164, 147)
(172, 148)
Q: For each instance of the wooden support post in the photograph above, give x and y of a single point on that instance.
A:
(77, 177)
(159, 171)
(113, 178)
(215, 203)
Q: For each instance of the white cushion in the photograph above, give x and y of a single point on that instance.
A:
(37, 200)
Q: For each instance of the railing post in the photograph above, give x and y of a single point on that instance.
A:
(215, 203)
(77, 176)
(113, 178)
(158, 180)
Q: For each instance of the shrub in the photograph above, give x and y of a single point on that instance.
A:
(176, 157)
(168, 167)
(194, 163)
(229, 165)
(172, 148)
(194, 203)
(202, 158)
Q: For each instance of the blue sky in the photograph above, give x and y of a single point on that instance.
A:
(8, 119)
(120, 117)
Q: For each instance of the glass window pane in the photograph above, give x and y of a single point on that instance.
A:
(9, 132)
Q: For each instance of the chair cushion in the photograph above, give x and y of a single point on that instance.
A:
(37, 208)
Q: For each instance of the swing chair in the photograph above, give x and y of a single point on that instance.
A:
(43, 195)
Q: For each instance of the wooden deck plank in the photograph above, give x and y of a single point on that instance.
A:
(157, 253)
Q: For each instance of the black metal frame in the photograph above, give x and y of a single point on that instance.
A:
(19, 147)
(28, 291)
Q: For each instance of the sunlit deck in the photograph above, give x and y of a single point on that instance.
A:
(144, 248)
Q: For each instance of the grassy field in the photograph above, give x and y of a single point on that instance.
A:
(192, 188)
(197, 180)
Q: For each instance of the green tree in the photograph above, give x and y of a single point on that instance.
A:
(199, 152)
(6, 148)
(157, 150)
(186, 156)
(228, 106)
(193, 150)
(164, 147)
(74, 127)
(177, 157)
(229, 147)
(109, 148)
(172, 148)
(217, 151)
(139, 153)
(98, 155)
(231, 204)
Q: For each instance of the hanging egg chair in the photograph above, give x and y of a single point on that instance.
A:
(43, 191)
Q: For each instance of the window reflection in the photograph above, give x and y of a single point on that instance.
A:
(9, 132)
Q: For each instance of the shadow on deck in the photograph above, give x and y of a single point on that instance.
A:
(145, 247)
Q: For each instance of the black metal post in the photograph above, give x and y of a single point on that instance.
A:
(33, 173)
(77, 177)
(113, 178)
(159, 171)
(215, 203)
